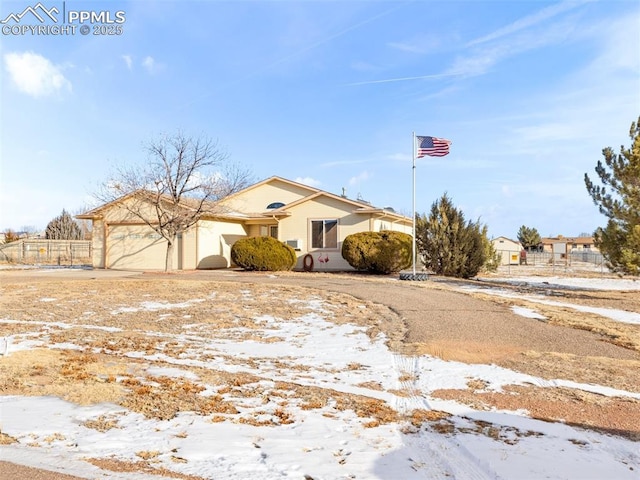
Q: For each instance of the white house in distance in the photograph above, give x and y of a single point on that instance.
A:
(312, 221)
(508, 249)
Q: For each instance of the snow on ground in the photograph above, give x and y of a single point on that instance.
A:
(572, 282)
(320, 443)
(595, 284)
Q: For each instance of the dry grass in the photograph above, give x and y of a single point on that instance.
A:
(617, 415)
(103, 370)
(143, 466)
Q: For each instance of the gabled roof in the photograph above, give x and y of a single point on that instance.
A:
(186, 203)
(561, 239)
(266, 181)
(219, 211)
(359, 207)
(506, 238)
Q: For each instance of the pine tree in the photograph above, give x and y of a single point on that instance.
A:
(529, 237)
(63, 227)
(619, 200)
(448, 244)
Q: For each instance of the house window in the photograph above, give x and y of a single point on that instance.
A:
(269, 230)
(324, 233)
(274, 205)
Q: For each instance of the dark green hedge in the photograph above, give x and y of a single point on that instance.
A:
(263, 254)
(378, 252)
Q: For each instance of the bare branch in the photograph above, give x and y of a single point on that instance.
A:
(182, 179)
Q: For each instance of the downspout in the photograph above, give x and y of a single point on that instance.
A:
(105, 250)
(197, 249)
(278, 223)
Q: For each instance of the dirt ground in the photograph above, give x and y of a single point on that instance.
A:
(432, 317)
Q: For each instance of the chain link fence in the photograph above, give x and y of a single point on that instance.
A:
(552, 263)
(47, 252)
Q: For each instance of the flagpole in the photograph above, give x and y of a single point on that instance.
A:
(413, 246)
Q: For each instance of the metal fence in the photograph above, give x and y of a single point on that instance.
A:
(49, 252)
(554, 262)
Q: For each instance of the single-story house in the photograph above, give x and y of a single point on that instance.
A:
(312, 221)
(508, 249)
(570, 244)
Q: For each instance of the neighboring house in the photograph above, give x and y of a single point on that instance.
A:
(571, 244)
(312, 221)
(508, 249)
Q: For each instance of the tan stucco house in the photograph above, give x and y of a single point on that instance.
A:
(312, 221)
(571, 244)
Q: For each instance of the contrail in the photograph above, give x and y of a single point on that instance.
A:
(404, 79)
(298, 53)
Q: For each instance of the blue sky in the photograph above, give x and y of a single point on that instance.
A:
(328, 93)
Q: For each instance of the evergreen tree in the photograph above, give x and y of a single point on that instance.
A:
(619, 200)
(448, 244)
(63, 227)
(529, 237)
(492, 257)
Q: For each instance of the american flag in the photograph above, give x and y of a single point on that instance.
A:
(432, 146)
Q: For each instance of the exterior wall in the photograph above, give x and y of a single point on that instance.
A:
(298, 227)
(386, 223)
(121, 241)
(136, 247)
(257, 199)
(509, 250)
(97, 243)
(187, 248)
(215, 240)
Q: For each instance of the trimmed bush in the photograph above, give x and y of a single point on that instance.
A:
(378, 252)
(263, 254)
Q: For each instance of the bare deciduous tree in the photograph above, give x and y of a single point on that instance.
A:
(183, 179)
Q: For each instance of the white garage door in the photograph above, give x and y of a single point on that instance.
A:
(135, 247)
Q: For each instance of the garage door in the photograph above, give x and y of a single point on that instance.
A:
(135, 247)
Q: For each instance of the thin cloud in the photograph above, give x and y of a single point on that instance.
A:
(399, 157)
(128, 60)
(35, 75)
(483, 58)
(312, 182)
(528, 21)
(358, 179)
(420, 44)
(308, 48)
(338, 163)
(150, 64)
(405, 79)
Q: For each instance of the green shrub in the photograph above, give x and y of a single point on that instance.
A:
(378, 252)
(263, 254)
(449, 244)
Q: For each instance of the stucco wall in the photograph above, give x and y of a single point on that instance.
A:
(215, 240)
(257, 199)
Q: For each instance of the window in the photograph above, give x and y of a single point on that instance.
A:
(269, 231)
(275, 205)
(324, 233)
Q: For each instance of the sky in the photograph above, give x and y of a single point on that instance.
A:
(319, 443)
(328, 93)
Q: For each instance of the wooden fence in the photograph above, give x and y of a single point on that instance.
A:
(49, 252)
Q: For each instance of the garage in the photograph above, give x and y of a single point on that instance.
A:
(135, 247)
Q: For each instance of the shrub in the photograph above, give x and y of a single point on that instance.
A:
(263, 254)
(378, 252)
(449, 244)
